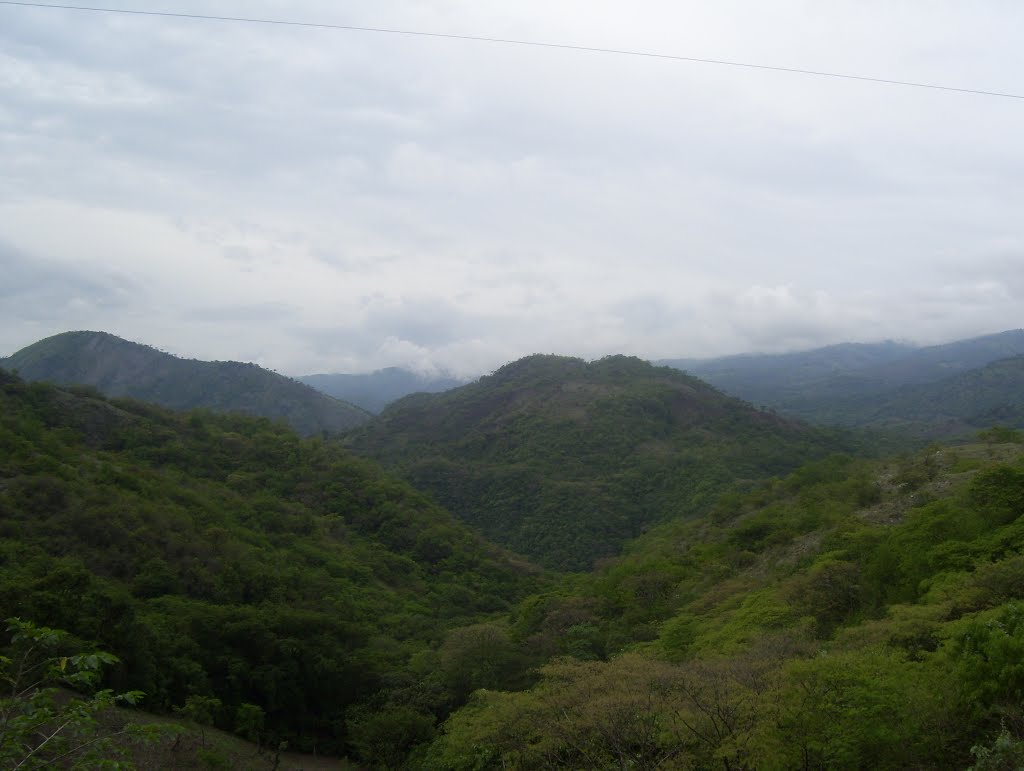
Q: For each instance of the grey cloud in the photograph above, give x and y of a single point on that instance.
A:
(260, 313)
(43, 289)
(503, 200)
(39, 297)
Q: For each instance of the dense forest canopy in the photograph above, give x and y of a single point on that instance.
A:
(788, 600)
(223, 556)
(564, 460)
(853, 614)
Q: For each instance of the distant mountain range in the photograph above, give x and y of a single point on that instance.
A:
(118, 367)
(374, 391)
(880, 385)
(564, 460)
(957, 405)
(919, 392)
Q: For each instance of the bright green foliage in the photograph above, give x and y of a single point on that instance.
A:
(990, 651)
(853, 615)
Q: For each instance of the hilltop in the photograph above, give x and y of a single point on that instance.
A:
(118, 367)
(564, 460)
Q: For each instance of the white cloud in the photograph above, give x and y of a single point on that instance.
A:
(321, 200)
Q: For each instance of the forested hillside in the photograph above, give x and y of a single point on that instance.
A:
(959, 405)
(121, 368)
(852, 615)
(884, 385)
(784, 606)
(766, 378)
(223, 557)
(564, 460)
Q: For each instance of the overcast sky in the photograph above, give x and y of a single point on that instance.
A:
(331, 201)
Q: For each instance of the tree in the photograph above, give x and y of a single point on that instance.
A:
(249, 723)
(201, 710)
(39, 726)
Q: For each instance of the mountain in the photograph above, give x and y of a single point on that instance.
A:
(224, 557)
(855, 613)
(837, 384)
(767, 378)
(374, 391)
(956, 405)
(121, 368)
(935, 362)
(564, 460)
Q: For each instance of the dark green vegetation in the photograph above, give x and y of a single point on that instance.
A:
(766, 377)
(121, 368)
(228, 562)
(374, 391)
(42, 725)
(564, 461)
(939, 391)
(53, 714)
(958, 405)
(846, 613)
(852, 615)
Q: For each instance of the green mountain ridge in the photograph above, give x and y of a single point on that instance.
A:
(842, 384)
(222, 556)
(564, 460)
(782, 372)
(121, 368)
(958, 405)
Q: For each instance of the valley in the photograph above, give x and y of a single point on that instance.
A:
(564, 564)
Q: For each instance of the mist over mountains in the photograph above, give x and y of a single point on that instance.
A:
(375, 390)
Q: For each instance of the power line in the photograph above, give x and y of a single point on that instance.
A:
(514, 42)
